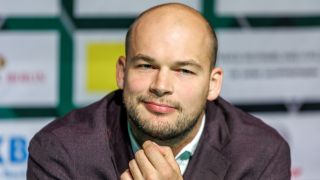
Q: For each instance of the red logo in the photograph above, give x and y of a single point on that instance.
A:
(296, 172)
(25, 77)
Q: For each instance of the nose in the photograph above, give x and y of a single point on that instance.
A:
(162, 84)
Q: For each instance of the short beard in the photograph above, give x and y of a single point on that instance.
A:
(165, 132)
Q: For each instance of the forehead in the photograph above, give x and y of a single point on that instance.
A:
(168, 38)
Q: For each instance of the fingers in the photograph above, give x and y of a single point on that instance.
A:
(153, 162)
(135, 170)
(168, 155)
(142, 162)
(126, 175)
(160, 156)
(153, 153)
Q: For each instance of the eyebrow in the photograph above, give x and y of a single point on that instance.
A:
(142, 57)
(189, 62)
(146, 58)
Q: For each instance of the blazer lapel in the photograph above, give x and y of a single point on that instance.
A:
(208, 161)
(117, 134)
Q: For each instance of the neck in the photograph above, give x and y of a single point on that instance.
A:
(176, 144)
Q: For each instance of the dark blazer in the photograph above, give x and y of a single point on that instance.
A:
(93, 143)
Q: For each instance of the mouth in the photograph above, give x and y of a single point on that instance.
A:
(159, 108)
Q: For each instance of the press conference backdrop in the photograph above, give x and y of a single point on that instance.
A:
(59, 55)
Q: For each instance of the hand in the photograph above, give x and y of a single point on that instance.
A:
(153, 162)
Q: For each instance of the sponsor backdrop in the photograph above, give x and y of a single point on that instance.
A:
(59, 55)
(15, 135)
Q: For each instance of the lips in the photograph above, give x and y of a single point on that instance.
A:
(159, 108)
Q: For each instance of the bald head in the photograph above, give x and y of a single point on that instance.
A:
(171, 21)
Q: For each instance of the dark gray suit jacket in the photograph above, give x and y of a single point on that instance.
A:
(93, 143)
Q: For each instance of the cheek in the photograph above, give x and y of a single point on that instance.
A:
(137, 83)
(193, 92)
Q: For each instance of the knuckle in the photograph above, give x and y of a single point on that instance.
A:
(125, 174)
(167, 149)
(149, 149)
(149, 146)
(132, 163)
(122, 176)
(166, 173)
(138, 153)
(150, 177)
(146, 144)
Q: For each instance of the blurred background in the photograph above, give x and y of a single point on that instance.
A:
(59, 55)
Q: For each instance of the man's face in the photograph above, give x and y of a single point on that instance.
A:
(166, 81)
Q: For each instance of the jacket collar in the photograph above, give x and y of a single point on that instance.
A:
(117, 134)
(208, 160)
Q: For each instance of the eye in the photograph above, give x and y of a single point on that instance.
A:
(186, 71)
(144, 66)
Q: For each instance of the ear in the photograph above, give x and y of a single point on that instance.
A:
(120, 71)
(215, 83)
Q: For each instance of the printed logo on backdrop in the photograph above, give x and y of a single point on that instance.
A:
(281, 69)
(25, 77)
(28, 74)
(13, 156)
(96, 55)
(15, 135)
(101, 66)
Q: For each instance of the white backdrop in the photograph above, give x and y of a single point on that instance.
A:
(29, 8)
(118, 8)
(271, 8)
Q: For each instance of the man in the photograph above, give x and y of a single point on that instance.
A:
(168, 121)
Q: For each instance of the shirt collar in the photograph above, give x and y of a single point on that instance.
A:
(191, 147)
(134, 144)
(188, 150)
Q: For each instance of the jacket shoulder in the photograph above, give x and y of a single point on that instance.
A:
(87, 118)
(244, 125)
(254, 148)
(69, 145)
